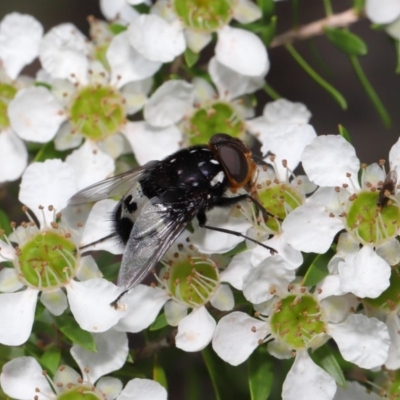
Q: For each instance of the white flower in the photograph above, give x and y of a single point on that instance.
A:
(300, 321)
(84, 101)
(48, 259)
(189, 281)
(382, 11)
(185, 113)
(173, 25)
(341, 203)
(20, 35)
(23, 378)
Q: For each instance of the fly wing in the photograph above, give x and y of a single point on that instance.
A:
(152, 235)
(115, 186)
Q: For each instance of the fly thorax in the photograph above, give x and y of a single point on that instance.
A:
(190, 279)
(297, 321)
(207, 119)
(47, 258)
(204, 15)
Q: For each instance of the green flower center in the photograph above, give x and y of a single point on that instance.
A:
(371, 223)
(392, 385)
(389, 300)
(7, 93)
(47, 260)
(280, 200)
(217, 117)
(192, 281)
(204, 15)
(97, 112)
(81, 392)
(296, 321)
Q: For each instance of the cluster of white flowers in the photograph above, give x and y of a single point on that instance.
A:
(95, 103)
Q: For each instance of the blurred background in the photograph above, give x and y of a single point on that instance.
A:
(371, 139)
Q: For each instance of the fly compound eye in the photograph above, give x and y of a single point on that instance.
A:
(234, 162)
(235, 159)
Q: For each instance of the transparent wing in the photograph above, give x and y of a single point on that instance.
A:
(115, 186)
(152, 235)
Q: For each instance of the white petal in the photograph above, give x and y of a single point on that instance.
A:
(365, 274)
(372, 174)
(361, 340)
(196, 41)
(88, 269)
(330, 286)
(66, 375)
(126, 63)
(169, 103)
(306, 380)
(63, 53)
(203, 91)
(110, 387)
(149, 143)
(355, 391)
(393, 29)
(223, 299)
(20, 35)
(118, 9)
(143, 389)
(135, 94)
(21, 377)
(274, 139)
(241, 51)
(208, 241)
(35, 114)
(155, 38)
(55, 301)
(144, 303)
(335, 308)
(237, 335)
(9, 281)
(283, 110)
(232, 84)
(17, 311)
(111, 352)
(238, 267)
(195, 331)
(7, 251)
(48, 183)
(174, 312)
(347, 244)
(98, 226)
(328, 160)
(90, 164)
(13, 156)
(394, 155)
(389, 251)
(90, 304)
(246, 11)
(309, 228)
(382, 11)
(65, 139)
(393, 324)
(271, 276)
(279, 350)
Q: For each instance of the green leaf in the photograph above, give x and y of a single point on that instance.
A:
(159, 373)
(217, 370)
(117, 28)
(69, 327)
(327, 360)
(267, 7)
(344, 133)
(397, 46)
(159, 323)
(313, 74)
(50, 360)
(318, 269)
(373, 96)
(48, 151)
(191, 57)
(271, 92)
(5, 222)
(346, 41)
(261, 374)
(359, 5)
